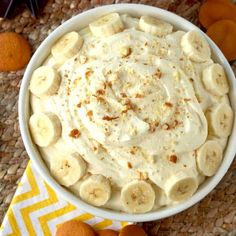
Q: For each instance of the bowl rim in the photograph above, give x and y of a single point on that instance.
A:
(41, 166)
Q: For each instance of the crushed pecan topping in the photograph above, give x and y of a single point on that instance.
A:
(109, 72)
(128, 106)
(152, 126)
(101, 92)
(132, 152)
(74, 133)
(107, 83)
(165, 126)
(68, 91)
(87, 101)
(187, 99)
(139, 95)
(143, 175)
(108, 118)
(123, 95)
(168, 104)
(129, 165)
(125, 52)
(175, 123)
(177, 112)
(100, 99)
(173, 158)
(79, 104)
(89, 113)
(158, 74)
(88, 73)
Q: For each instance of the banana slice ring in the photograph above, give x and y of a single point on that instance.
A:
(180, 186)
(68, 169)
(107, 25)
(195, 47)
(209, 157)
(220, 120)
(45, 81)
(45, 128)
(155, 26)
(138, 197)
(215, 81)
(96, 190)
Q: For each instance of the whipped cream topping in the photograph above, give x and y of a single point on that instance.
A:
(138, 104)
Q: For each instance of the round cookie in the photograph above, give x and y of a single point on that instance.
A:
(75, 228)
(14, 51)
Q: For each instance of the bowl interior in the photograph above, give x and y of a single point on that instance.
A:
(76, 23)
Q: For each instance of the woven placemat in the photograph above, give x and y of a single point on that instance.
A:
(215, 215)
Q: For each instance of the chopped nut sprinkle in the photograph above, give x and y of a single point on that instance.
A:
(168, 104)
(88, 73)
(125, 52)
(143, 175)
(175, 123)
(68, 91)
(129, 165)
(123, 95)
(187, 99)
(107, 83)
(152, 126)
(89, 113)
(101, 92)
(158, 74)
(79, 104)
(129, 106)
(108, 118)
(173, 158)
(139, 95)
(100, 99)
(74, 133)
(132, 152)
(165, 126)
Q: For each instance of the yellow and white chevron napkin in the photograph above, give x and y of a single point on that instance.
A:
(37, 210)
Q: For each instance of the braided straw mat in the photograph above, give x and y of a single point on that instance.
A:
(214, 215)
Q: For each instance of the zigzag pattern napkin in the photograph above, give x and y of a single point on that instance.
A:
(37, 210)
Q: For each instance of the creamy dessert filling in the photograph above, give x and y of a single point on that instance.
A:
(130, 115)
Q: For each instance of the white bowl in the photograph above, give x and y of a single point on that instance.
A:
(78, 22)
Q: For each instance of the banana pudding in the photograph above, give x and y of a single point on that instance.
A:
(130, 114)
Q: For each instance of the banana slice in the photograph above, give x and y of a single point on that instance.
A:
(138, 196)
(67, 46)
(50, 61)
(155, 26)
(180, 186)
(45, 81)
(220, 120)
(85, 33)
(195, 47)
(129, 21)
(45, 128)
(214, 80)
(107, 25)
(68, 169)
(209, 157)
(95, 190)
